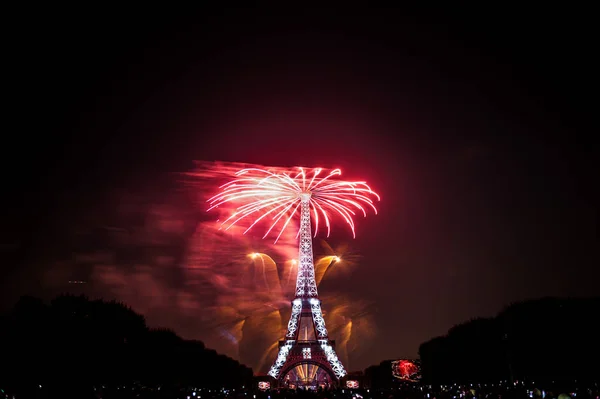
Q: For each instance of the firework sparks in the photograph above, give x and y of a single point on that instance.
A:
(260, 194)
(406, 370)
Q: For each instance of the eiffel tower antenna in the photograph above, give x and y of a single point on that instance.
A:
(306, 356)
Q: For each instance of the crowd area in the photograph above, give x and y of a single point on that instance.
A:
(503, 390)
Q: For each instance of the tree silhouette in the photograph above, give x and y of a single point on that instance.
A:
(76, 342)
(546, 339)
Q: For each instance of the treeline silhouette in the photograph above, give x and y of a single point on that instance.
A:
(542, 340)
(74, 341)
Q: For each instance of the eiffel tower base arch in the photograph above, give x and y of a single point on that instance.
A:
(307, 368)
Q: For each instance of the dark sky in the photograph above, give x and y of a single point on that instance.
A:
(472, 125)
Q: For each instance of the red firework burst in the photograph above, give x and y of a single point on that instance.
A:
(258, 194)
(405, 370)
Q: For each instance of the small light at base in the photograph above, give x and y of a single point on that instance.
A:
(264, 385)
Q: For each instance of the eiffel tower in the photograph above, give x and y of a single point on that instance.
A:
(306, 356)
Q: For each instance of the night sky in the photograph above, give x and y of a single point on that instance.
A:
(471, 125)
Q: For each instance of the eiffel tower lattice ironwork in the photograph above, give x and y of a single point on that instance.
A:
(306, 340)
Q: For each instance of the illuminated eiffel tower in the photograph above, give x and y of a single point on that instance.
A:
(306, 355)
